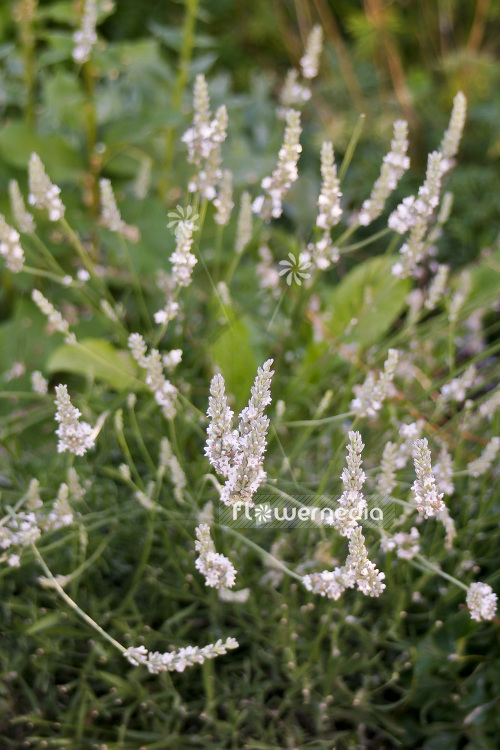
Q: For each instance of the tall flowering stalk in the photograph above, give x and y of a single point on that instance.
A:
(204, 140)
(293, 93)
(110, 215)
(414, 214)
(244, 227)
(164, 392)
(428, 498)
(10, 247)
(85, 38)
(352, 500)
(323, 252)
(182, 259)
(310, 60)
(224, 200)
(56, 320)
(452, 137)
(238, 455)
(456, 389)
(358, 569)
(396, 162)
(437, 286)
(22, 217)
(43, 194)
(481, 465)
(270, 205)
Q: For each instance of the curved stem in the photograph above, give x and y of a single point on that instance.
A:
(74, 606)
(275, 563)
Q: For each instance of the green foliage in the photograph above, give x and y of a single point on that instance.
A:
(410, 669)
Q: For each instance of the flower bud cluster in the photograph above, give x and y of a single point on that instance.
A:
(370, 396)
(219, 572)
(74, 436)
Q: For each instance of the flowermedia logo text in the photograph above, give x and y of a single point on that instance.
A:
(306, 511)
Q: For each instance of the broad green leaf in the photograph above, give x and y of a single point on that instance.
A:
(61, 160)
(63, 101)
(236, 359)
(370, 295)
(101, 360)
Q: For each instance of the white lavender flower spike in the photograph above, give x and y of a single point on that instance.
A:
(85, 38)
(414, 214)
(22, 217)
(437, 286)
(219, 572)
(396, 162)
(239, 454)
(323, 252)
(74, 436)
(164, 392)
(43, 194)
(482, 464)
(224, 201)
(370, 396)
(451, 139)
(276, 186)
(293, 93)
(204, 140)
(56, 320)
(182, 259)
(428, 499)
(10, 247)
(39, 383)
(110, 215)
(244, 228)
(481, 601)
(310, 61)
(352, 500)
(177, 661)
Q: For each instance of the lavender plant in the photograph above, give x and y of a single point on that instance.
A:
(148, 341)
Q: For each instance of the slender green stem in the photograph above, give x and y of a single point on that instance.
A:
(332, 463)
(451, 348)
(425, 564)
(266, 555)
(126, 451)
(180, 86)
(136, 282)
(77, 244)
(141, 567)
(90, 111)
(351, 148)
(316, 422)
(74, 606)
(364, 243)
(47, 255)
(218, 249)
(45, 274)
(140, 441)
